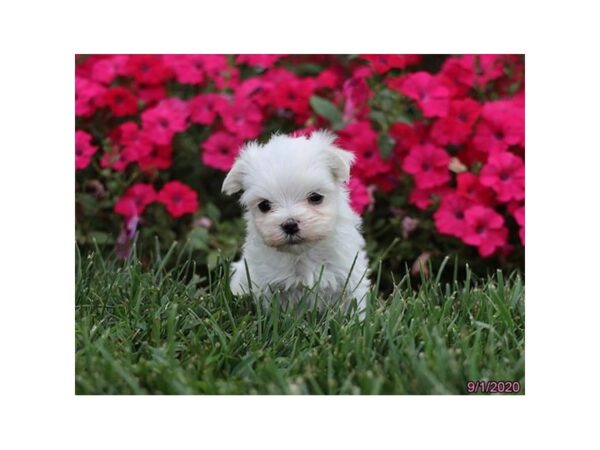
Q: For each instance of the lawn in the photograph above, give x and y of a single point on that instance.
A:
(163, 327)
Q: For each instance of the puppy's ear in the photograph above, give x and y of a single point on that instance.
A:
(340, 161)
(233, 180)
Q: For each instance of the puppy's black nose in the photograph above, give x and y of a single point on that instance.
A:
(290, 227)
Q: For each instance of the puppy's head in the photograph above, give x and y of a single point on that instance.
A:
(293, 187)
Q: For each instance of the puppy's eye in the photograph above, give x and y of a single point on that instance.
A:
(264, 206)
(315, 198)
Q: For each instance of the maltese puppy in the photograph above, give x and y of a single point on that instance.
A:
(301, 231)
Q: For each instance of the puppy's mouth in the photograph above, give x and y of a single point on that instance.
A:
(293, 240)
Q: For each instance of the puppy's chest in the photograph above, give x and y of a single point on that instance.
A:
(307, 272)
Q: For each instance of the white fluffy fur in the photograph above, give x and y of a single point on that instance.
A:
(285, 171)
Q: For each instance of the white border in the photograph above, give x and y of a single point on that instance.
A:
(39, 40)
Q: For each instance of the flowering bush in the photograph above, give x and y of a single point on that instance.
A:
(439, 142)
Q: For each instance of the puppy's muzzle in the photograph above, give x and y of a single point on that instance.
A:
(290, 227)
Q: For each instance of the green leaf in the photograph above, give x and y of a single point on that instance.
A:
(198, 238)
(327, 110)
(380, 118)
(212, 212)
(306, 69)
(87, 202)
(101, 237)
(403, 119)
(212, 260)
(386, 145)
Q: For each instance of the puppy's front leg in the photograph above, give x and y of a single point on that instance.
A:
(237, 282)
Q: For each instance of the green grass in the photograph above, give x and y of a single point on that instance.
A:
(161, 328)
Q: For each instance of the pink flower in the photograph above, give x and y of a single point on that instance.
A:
(469, 187)
(147, 69)
(120, 100)
(423, 198)
(128, 145)
(257, 90)
(429, 166)
(457, 76)
(135, 200)
(503, 125)
(505, 174)
(329, 78)
(467, 71)
(220, 72)
(485, 68)
(204, 107)
(405, 137)
(189, 69)
(519, 215)
(264, 61)
(178, 198)
(126, 237)
(383, 63)
(456, 127)
(214, 64)
(485, 230)
(107, 69)
(360, 198)
(161, 122)
(227, 78)
(489, 138)
(132, 145)
(510, 115)
(360, 138)
(220, 150)
(160, 157)
(357, 93)
(242, 118)
(87, 94)
(127, 208)
(470, 155)
(512, 78)
(151, 95)
(450, 216)
(385, 182)
(409, 225)
(291, 93)
(84, 63)
(84, 150)
(426, 90)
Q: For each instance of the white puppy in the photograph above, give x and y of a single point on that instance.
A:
(301, 231)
